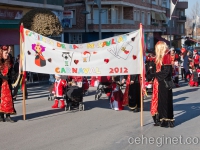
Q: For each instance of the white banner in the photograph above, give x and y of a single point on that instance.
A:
(118, 55)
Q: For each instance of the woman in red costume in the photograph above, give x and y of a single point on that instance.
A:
(162, 98)
(6, 100)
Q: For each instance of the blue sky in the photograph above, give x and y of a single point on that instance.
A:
(190, 5)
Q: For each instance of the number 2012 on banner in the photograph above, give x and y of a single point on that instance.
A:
(118, 70)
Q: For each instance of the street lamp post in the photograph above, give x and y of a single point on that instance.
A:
(100, 34)
(85, 12)
(98, 2)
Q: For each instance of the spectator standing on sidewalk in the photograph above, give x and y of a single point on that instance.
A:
(185, 62)
(182, 68)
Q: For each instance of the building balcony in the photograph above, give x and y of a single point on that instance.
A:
(181, 19)
(175, 31)
(48, 4)
(154, 23)
(111, 21)
(183, 4)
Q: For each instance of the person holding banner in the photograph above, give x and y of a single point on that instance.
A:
(6, 100)
(162, 98)
(134, 93)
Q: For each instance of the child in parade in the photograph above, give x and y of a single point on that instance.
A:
(194, 78)
(196, 58)
(59, 91)
(116, 98)
(176, 73)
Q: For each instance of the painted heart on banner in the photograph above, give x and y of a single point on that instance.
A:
(106, 61)
(76, 61)
(133, 39)
(94, 52)
(134, 57)
(29, 53)
(126, 52)
(49, 59)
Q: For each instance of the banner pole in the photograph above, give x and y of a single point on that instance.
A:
(24, 103)
(141, 76)
(20, 69)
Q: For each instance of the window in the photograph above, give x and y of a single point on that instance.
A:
(115, 16)
(75, 38)
(148, 19)
(135, 15)
(143, 18)
(104, 16)
(74, 17)
(153, 2)
(182, 28)
(138, 15)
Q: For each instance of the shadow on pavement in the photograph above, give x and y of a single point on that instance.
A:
(38, 114)
(193, 89)
(189, 111)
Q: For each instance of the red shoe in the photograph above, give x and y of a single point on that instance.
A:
(55, 105)
(62, 104)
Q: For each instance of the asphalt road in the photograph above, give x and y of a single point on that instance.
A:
(99, 127)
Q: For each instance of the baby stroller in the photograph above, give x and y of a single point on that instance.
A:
(105, 86)
(74, 98)
(51, 82)
(51, 95)
(85, 86)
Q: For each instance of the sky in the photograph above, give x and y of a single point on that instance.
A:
(190, 5)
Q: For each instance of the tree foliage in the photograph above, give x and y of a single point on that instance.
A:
(42, 21)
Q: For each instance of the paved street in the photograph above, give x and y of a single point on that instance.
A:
(99, 127)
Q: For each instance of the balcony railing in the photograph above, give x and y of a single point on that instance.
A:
(182, 18)
(111, 21)
(176, 31)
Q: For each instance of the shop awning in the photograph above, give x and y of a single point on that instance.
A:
(158, 16)
(9, 24)
(9, 37)
(164, 17)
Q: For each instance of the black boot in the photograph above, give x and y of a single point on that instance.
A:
(136, 110)
(171, 124)
(8, 119)
(2, 119)
(164, 124)
(156, 120)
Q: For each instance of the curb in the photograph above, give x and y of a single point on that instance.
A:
(39, 83)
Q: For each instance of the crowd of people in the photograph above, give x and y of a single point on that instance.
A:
(162, 70)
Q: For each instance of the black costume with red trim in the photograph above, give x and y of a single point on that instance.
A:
(162, 98)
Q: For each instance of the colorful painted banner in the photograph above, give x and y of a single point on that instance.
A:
(119, 55)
